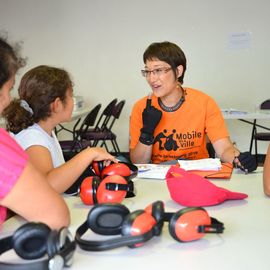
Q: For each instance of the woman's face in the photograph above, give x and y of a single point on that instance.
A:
(5, 93)
(161, 78)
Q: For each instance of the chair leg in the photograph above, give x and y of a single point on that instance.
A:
(115, 146)
(102, 144)
(95, 143)
(256, 151)
(254, 130)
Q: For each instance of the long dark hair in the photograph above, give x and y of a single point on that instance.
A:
(10, 60)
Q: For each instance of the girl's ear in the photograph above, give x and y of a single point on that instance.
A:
(180, 70)
(56, 105)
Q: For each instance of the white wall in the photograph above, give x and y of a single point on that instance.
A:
(101, 44)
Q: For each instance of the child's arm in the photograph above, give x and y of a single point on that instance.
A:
(266, 173)
(62, 177)
(35, 200)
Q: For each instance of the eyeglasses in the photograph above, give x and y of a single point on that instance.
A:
(157, 72)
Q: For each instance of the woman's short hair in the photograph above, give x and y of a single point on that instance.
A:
(168, 52)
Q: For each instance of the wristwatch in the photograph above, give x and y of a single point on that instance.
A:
(146, 138)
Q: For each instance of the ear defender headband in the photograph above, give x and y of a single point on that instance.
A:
(186, 225)
(34, 240)
(127, 170)
(111, 189)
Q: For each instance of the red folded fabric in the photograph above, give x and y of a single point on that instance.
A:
(190, 189)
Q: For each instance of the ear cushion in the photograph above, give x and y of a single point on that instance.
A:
(156, 209)
(111, 196)
(136, 223)
(29, 241)
(184, 224)
(88, 190)
(107, 219)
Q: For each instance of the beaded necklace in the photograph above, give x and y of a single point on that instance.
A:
(175, 107)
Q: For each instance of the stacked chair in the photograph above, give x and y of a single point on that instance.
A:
(71, 147)
(102, 132)
(260, 136)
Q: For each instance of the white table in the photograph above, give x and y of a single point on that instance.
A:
(244, 245)
(260, 114)
(250, 118)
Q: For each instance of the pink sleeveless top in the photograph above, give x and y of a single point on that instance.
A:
(13, 160)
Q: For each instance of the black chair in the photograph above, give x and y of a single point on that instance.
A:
(71, 147)
(102, 121)
(88, 122)
(105, 133)
(260, 136)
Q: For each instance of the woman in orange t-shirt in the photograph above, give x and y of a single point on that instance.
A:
(175, 122)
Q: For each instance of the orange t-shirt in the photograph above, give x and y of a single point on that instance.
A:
(182, 133)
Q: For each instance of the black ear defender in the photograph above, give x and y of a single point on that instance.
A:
(34, 240)
(134, 228)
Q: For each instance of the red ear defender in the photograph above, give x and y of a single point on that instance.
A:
(192, 223)
(126, 170)
(138, 223)
(112, 189)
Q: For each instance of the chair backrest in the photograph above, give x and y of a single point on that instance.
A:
(105, 116)
(265, 105)
(118, 109)
(89, 120)
(91, 117)
(116, 112)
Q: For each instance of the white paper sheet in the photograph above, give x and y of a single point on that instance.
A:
(152, 171)
(206, 164)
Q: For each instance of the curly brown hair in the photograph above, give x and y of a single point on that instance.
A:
(39, 87)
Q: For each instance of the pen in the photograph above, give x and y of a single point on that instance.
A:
(145, 170)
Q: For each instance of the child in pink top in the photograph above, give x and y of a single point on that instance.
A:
(23, 189)
(12, 162)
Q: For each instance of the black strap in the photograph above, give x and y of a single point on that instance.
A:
(111, 243)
